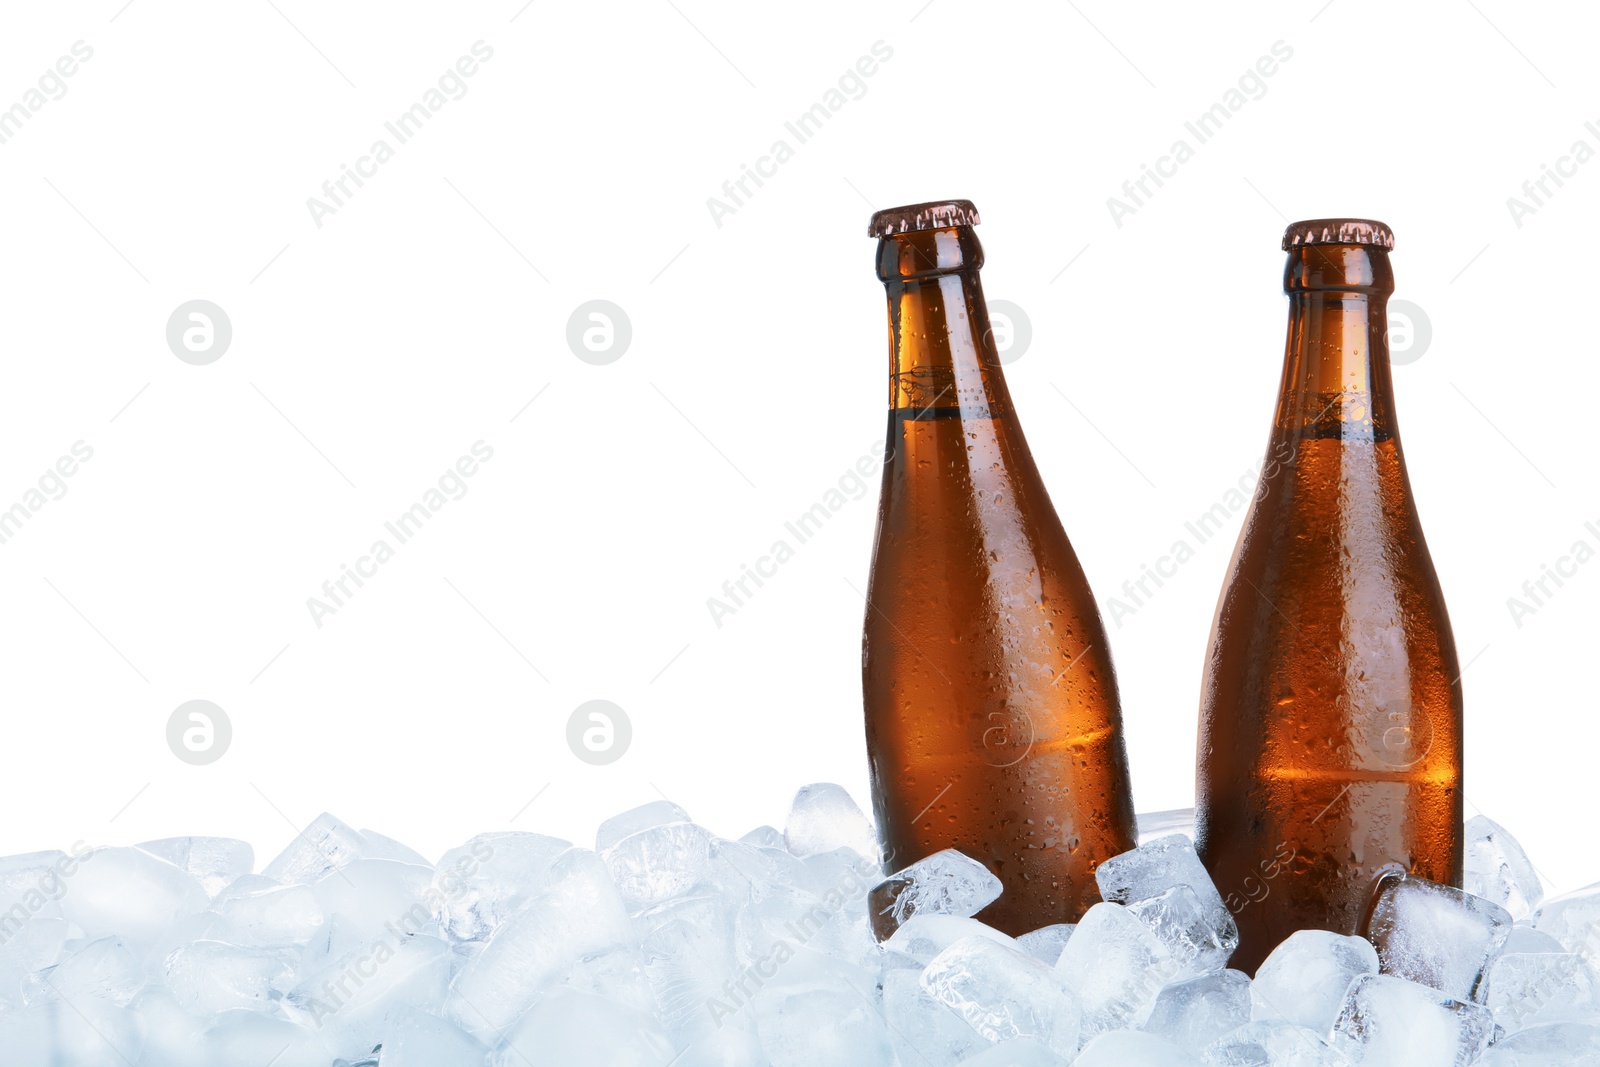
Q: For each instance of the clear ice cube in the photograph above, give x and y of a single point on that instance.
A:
(1131, 1048)
(1046, 942)
(1004, 993)
(1184, 924)
(1436, 934)
(316, 852)
(824, 817)
(1497, 869)
(1116, 967)
(1387, 1020)
(1194, 1013)
(1529, 989)
(1159, 865)
(215, 862)
(1304, 979)
(945, 883)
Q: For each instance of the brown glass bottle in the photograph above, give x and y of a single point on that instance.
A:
(1330, 711)
(993, 725)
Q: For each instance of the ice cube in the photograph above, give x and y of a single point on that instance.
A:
(1194, 1013)
(1154, 824)
(89, 1033)
(655, 813)
(214, 862)
(35, 882)
(1550, 1045)
(257, 912)
(417, 1039)
(1524, 938)
(1527, 989)
(316, 852)
(1574, 920)
(1276, 1043)
(1157, 866)
(763, 837)
(658, 863)
(687, 945)
(924, 1032)
(1497, 869)
(103, 969)
(1183, 924)
(209, 977)
(1004, 993)
(1023, 1052)
(251, 1039)
(569, 1027)
(1130, 1048)
(491, 877)
(1390, 1020)
(353, 997)
(27, 946)
(173, 1037)
(925, 936)
(824, 1027)
(1046, 942)
(1305, 978)
(945, 883)
(577, 915)
(129, 893)
(376, 895)
(1436, 934)
(375, 846)
(823, 818)
(1115, 966)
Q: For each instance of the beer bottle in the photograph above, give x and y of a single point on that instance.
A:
(993, 724)
(1330, 710)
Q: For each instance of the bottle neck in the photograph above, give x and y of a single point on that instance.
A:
(1336, 361)
(942, 357)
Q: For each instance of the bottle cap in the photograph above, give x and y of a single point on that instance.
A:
(1338, 232)
(934, 215)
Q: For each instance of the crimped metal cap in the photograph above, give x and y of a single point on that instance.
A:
(934, 215)
(1338, 232)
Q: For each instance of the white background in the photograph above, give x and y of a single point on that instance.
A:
(421, 317)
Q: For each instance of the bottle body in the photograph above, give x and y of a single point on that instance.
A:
(1330, 747)
(992, 717)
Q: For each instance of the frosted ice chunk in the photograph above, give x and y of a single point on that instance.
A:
(660, 862)
(1004, 993)
(27, 946)
(258, 912)
(922, 1029)
(490, 878)
(1195, 1013)
(316, 852)
(214, 862)
(1159, 865)
(824, 1027)
(1527, 989)
(129, 893)
(1551, 1045)
(1023, 1052)
(1115, 966)
(579, 914)
(1130, 1048)
(417, 1039)
(208, 977)
(1275, 1043)
(925, 936)
(1436, 934)
(1154, 824)
(1183, 924)
(1497, 869)
(1046, 942)
(1390, 1020)
(655, 813)
(1574, 920)
(36, 881)
(945, 883)
(823, 818)
(1305, 978)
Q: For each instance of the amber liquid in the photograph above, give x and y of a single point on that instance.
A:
(1330, 735)
(993, 723)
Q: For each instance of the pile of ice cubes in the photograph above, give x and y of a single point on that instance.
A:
(667, 946)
